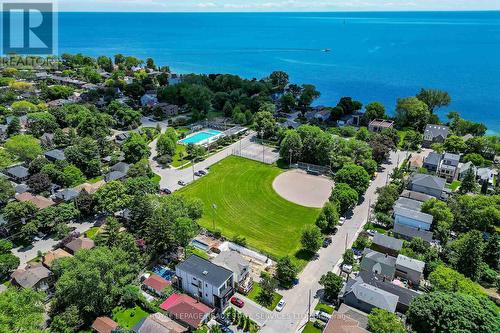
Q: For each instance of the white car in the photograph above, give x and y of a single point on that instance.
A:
(322, 315)
(280, 305)
(341, 221)
(347, 269)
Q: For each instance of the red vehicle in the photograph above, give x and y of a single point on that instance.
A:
(238, 302)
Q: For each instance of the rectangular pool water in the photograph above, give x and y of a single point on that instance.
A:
(200, 137)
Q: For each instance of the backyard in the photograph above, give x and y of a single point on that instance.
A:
(128, 317)
(239, 200)
(254, 293)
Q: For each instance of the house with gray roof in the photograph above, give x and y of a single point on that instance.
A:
(463, 168)
(406, 232)
(378, 263)
(114, 175)
(410, 269)
(365, 297)
(434, 134)
(428, 184)
(17, 173)
(55, 155)
(120, 166)
(412, 218)
(206, 281)
(416, 196)
(386, 244)
(233, 261)
(485, 175)
(66, 195)
(36, 277)
(432, 161)
(408, 203)
(448, 167)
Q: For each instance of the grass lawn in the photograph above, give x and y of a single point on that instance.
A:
(128, 317)
(324, 307)
(309, 328)
(255, 292)
(177, 159)
(248, 206)
(375, 227)
(454, 185)
(95, 179)
(156, 178)
(92, 232)
(194, 250)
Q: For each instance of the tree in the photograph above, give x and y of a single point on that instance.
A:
(21, 310)
(6, 191)
(381, 147)
(348, 257)
(112, 197)
(288, 103)
(286, 271)
(279, 80)
(492, 251)
(374, 110)
(345, 196)
(265, 124)
(39, 182)
(141, 186)
(266, 294)
(446, 279)
(383, 321)
(469, 183)
(332, 284)
(412, 112)
(453, 312)
(72, 176)
(105, 63)
(308, 95)
(291, 146)
(14, 127)
(454, 144)
(311, 238)
(198, 98)
(467, 254)
(165, 145)
(434, 98)
(442, 218)
(412, 140)
(25, 147)
(355, 176)
(475, 158)
(387, 196)
(77, 286)
(8, 261)
(85, 156)
(85, 203)
(135, 148)
(329, 217)
(67, 321)
(16, 211)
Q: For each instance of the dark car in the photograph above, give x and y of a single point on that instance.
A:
(197, 174)
(165, 191)
(327, 241)
(334, 231)
(202, 172)
(238, 302)
(221, 319)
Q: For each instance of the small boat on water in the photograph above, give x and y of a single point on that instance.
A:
(326, 50)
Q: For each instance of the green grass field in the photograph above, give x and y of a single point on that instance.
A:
(128, 317)
(248, 206)
(254, 293)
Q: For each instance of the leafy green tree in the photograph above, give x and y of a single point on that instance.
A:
(374, 110)
(165, 145)
(112, 197)
(412, 140)
(492, 251)
(39, 182)
(348, 257)
(25, 147)
(329, 217)
(307, 96)
(21, 310)
(105, 63)
(85, 156)
(311, 238)
(363, 134)
(141, 185)
(387, 196)
(286, 271)
(442, 218)
(291, 146)
(475, 158)
(453, 312)
(56, 92)
(279, 80)
(198, 98)
(446, 279)
(288, 103)
(6, 191)
(332, 284)
(85, 203)
(412, 112)
(383, 321)
(54, 215)
(8, 261)
(454, 144)
(72, 176)
(469, 183)
(355, 176)
(16, 211)
(381, 147)
(14, 127)
(135, 148)
(434, 98)
(265, 123)
(466, 254)
(266, 294)
(67, 321)
(345, 196)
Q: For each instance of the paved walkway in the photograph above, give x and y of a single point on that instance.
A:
(295, 314)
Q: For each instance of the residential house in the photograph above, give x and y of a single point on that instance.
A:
(35, 277)
(90, 188)
(158, 323)
(114, 175)
(434, 134)
(290, 124)
(156, 284)
(365, 297)
(347, 320)
(149, 100)
(319, 114)
(406, 232)
(168, 110)
(104, 325)
(211, 283)
(416, 196)
(49, 258)
(386, 244)
(47, 140)
(66, 195)
(121, 167)
(464, 168)
(58, 103)
(410, 269)
(412, 218)
(120, 138)
(3, 132)
(353, 119)
(235, 262)
(17, 173)
(378, 263)
(378, 125)
(432, 161)
(428, 184)
(187, 310)
(55, 155)
(448, 167)
(39, 201)
(485, 175)
(78, 244)
(21, 188)
(405, 295)
(415, 162)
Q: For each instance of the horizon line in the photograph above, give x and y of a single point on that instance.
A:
(284, 12)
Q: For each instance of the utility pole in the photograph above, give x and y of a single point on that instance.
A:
(369, 210)
(192, 163)
(345, 245)
(309, 308)
(262, 142)
(290, 165)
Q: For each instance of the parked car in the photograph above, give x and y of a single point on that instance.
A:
(165, 191)
(322, 315)
(347, 268)
(370, 232)
(202, 172)
(342, 221)
(280, 305)
(197, 174)
(221, 319)
(237, 302)
(334, 231)
(327, 241)
(181, 183)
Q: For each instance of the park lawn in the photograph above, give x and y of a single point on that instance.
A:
(177, 159)
(309, 328)
(255, 292)
(128, 317)
(247, 205)
(324, 307)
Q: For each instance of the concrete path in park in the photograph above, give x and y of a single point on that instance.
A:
(295, 314)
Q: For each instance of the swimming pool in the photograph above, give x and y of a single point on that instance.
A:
(201, 137)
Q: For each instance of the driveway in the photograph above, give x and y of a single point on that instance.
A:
(256, 312)
(26, 254)
(295, 313)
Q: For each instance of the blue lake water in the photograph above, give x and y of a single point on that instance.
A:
(374, 56)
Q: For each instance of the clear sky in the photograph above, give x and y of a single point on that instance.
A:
(274, 5)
